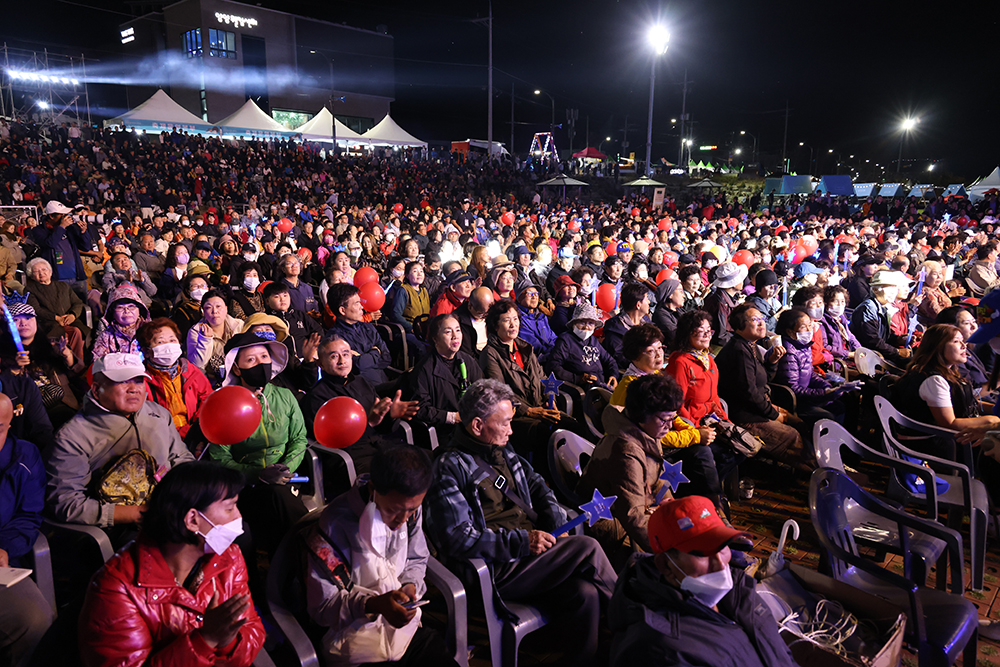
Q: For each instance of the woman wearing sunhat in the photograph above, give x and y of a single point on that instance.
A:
(729, 277)
(272, 454)
(122, 319)
(577, 357)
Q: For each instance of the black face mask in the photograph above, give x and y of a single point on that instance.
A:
(256, 376)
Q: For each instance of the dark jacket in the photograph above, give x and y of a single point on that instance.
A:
(301, 296)
(657, 624)
(572, 357)
(561, 317)
(870, 325)
(837, 338)
(745, 387)
(795, 370)
(536, 330)
(497, 364)
(719, 304)
(614, 331)
(372, 353)
(470, 339)
(858, 290)
(30, 421)
(437, 384)
(22, 497)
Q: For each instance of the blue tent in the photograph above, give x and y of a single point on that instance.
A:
(891, 190)
(864, 189)
(796, 185)
(772, 185)
(956, 189)
(922, 190)
(835, 185)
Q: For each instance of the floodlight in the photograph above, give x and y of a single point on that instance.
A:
(658, 38)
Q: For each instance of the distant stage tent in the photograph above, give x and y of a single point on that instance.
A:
(982, 186)
(320, 128)
(772, 185)
(250, 121)
(864, 189)
(835, 185)
(388, 133)
(796, 185)
(922, 190)
(160, 114)
(705, 183)
(955, 189)
(480, 144)
(891, 190)
(591, 152)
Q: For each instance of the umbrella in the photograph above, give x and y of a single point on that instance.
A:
(643, 181)
(705, 183)
(563, 180)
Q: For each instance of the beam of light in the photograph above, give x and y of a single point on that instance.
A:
(658, 38)
(42, 104)
(909, 123)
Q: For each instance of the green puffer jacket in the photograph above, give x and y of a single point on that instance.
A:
(280, 438)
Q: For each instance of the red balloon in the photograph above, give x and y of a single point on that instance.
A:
(305, 254)
(809, 243)
(663, 225)
(229, 415)
(372, 297)
(424, 203)
(799, 253)
(611, 248)
(398, 208)
(606, 300)
(636, 212)
(670, 257)
(573, 225)
(340, 422)
(779, 229)
(743, 258)
(663, 275)
(365, 275)
(285, 225)
(507, 218)
(534, 218)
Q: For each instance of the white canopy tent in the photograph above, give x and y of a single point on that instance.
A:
(983, 185)
(388, 133)
(251, 121)
(320, 128)
(161, 114)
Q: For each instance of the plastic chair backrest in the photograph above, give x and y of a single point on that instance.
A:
(283, 577)
(569, 449)
(869, 362)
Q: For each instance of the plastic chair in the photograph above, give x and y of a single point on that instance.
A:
(508, 625)
(892, 420)
(420, 434)
(784, 397)
(41, 558)
(317, 450)
(315, 500)
(829, 438)
(870, 363)
(100, 538)
(565, 452)
(594, 402)
(966, 496)
(941, 625)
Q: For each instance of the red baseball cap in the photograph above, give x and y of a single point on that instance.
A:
(691, 525)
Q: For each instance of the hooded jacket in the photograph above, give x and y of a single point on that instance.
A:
(536, 330)
(795, 370)
(136, 613)
(657, 624)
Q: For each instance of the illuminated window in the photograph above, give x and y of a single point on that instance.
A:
(222, 44)
(192, 43)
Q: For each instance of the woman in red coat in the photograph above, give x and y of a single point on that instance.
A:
(178, 595)
(171, 381)
(694, 368)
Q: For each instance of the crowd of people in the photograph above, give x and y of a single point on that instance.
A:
(162, 268)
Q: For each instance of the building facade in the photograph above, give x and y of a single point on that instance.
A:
(211, 56)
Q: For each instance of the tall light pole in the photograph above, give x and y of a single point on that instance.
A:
(602, 143)
(552, 127)
(658, 38)
(839, 158)
(905, 127)
(810, 155)
(745, 133)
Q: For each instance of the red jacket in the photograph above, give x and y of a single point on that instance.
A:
(445, 304)
(194, 385)
(700, 386)
(136, 614)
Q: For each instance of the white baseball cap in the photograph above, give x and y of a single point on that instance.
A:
(56, 207)
(120, 366)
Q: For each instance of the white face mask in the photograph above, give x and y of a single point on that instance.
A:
(220, 537)
(251, 282)
(397, 274)
(182, 259)
(815, 313)
(586, 288)
(373, 530)
(891, 294)
(248, 257)
(583, 334)
(804, 337)
(198, 294)
(166, 354)
(837, 311)
(710, 588)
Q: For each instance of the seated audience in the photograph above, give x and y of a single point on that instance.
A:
(765, 297)
(635, 308)
(185, 563)
(816, 397)
(246, 298)
(871, 320)
(457, 287)
(206, 340)
(188, 311)
(125, 314)
(669, 306)
(837, 338)
(371, 354)
(367, 558)
(577, 357)
(304, 331)
(59, 309)
(569, 577)
(535, 327)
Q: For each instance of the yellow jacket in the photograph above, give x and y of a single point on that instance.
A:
(682, 435)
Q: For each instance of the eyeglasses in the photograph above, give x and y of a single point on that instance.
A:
(758, 320)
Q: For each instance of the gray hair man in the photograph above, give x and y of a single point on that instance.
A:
(487, 502)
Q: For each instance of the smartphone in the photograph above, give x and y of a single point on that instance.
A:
(414, 604)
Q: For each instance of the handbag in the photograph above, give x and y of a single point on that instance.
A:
(740, 439)
(129, 480)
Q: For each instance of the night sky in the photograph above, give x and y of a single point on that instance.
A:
(849, 71)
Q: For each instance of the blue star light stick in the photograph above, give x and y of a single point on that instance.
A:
(598, 508)
(13, 329)
(912, 325)
(672, 477)
(551, 386)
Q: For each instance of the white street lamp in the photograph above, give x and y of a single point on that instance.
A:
(658, 38)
